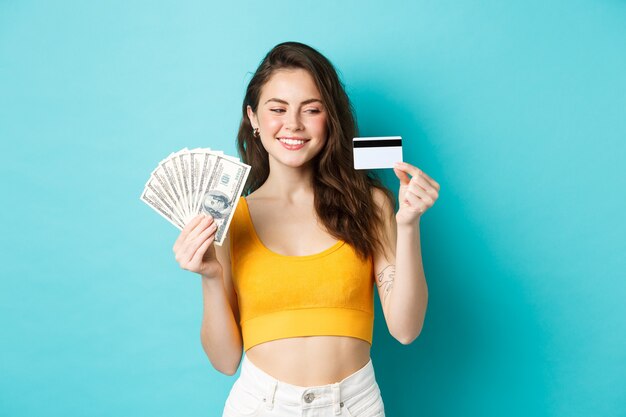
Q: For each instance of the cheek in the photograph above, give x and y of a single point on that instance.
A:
(270, 124)
(318, 125)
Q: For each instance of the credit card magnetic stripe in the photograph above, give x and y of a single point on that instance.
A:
(377, 143)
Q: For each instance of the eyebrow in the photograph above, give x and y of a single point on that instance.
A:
(278, 100)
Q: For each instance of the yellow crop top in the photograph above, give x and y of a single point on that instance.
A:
(280, 296)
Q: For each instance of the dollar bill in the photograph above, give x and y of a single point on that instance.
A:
(174, 177)
(219, 199)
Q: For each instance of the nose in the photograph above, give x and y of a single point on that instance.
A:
(293, 122)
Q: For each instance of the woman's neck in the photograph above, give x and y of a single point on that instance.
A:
(289, 184)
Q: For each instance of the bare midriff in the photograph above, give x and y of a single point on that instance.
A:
(312, 360)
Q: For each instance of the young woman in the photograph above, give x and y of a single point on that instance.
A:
(293, 283)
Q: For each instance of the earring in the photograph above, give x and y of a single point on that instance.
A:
(255, 132)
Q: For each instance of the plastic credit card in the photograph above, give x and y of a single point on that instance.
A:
(377, 152)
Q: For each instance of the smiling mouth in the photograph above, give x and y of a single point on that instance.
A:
(293, 141)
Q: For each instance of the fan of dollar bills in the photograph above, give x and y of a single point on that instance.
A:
(191, 182)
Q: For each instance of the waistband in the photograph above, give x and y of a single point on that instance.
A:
(307, 397)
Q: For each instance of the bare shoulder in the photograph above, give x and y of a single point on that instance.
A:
(254, 195)
(383, 202)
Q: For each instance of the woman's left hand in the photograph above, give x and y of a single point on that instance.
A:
(416, 195)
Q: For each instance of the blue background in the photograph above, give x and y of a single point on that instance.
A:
(516, 108)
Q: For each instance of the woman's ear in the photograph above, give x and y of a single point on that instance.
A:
(252, 117)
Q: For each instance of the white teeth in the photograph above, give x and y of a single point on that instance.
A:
(292, 141)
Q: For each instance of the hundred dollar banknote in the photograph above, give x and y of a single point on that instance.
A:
(194, 181)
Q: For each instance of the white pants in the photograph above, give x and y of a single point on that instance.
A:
(258, 394)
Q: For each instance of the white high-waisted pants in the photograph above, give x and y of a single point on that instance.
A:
(258, 394)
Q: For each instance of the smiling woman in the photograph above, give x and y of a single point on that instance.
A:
(293, 283)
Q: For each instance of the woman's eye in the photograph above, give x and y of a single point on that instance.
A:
(277, 110)
(312, 110)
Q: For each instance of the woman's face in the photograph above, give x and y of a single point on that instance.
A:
(290, 117)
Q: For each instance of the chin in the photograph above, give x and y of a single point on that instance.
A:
(294, 163)
(297, 164)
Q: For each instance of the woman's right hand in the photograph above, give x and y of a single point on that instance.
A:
(194, 247)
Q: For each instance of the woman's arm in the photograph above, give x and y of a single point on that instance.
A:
(220, 336)
(195, 252)
(400, 274)
(408, 298)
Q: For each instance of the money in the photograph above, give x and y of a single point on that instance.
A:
(197, 181)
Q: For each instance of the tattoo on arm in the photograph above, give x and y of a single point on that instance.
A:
(384, 280)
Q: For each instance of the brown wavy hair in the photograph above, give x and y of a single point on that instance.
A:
(343, 197)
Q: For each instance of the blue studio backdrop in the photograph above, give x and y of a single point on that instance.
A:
(517, 108)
